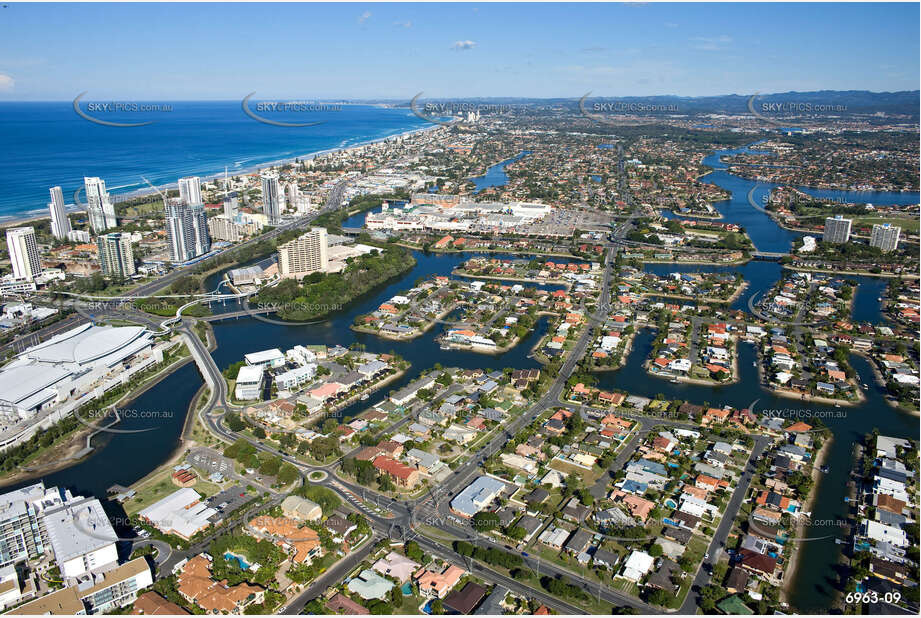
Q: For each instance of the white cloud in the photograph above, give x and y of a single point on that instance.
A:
(6, 82)
(462, 45)
(364, 17)
(671, 24)
(405, 24)
(716, 43)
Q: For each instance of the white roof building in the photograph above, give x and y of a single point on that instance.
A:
(637, 565)
(181, 513)
(82, 538)
(269, 358)
(249, 382)
(50, 371)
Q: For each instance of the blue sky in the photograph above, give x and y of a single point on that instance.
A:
(357, 50)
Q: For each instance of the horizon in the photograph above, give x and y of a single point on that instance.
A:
(508, 96)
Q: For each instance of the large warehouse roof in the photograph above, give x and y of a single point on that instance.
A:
(84, 344)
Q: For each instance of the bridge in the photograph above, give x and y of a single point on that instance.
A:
(768, 256)
(353, 231)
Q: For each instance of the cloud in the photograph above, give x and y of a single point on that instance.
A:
(462, 45)
(717, 43)
(364, 17)
(405, 24)
(6, 82)
(594, 50)
(670, 24)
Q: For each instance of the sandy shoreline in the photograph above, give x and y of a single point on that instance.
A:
(790, 575)
(14, 220)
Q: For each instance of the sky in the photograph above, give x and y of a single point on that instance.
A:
(393, 51)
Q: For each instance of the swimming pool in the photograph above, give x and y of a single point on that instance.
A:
(232, 557)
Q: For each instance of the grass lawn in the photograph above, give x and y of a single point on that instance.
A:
(409, 606)
(588, 476)
(161, 486)
(908, 225)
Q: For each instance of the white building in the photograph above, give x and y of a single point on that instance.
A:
(249, 382)
(267, 358)
(295, 377)
(837, 229)
(638, 564)
(308, 253)
(116, 257)
(99, 208)
(60, 224)
(94, 594)
(79, 236)
(74, 361)
(20, 242)
(82, 538)
(187, 231)
(190, 190)
(885, 236)
(182, 513)
(273, 199)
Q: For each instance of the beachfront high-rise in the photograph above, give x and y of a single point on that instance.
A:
(230, 205)
(115, 255)
(885, 236)
(99, 208)
(305, 254)
(60, 224)
(20, 242)
(190, 190)
(272, 197)
(837, 229)
(186, 231)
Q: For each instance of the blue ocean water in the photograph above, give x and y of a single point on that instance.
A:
(47, 144)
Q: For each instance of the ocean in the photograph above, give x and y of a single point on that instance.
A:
(47, 144)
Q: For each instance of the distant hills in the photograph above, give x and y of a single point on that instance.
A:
(860, 102)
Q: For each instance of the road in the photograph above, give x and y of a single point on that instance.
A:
(330, 578)
(702, 578)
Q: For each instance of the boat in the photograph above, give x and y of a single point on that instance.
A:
(365, 396)
(754, 363)
(824, 469)
(674, 380)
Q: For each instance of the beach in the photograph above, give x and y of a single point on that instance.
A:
(39, 214)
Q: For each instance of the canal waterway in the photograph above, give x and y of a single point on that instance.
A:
(125, 458)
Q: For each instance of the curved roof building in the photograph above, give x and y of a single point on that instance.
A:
(51, 370)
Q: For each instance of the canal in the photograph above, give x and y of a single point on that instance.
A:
(125, 458)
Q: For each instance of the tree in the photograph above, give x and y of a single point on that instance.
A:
(259, 432)
(413, 551)
(659, 597)
(484, 521)
(330, 425)
(287, 474)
